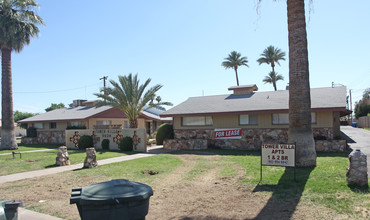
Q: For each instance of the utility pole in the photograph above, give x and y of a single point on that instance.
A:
(104, 78)
(350, 101)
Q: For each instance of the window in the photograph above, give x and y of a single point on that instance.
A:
(38, 125)
(75, 124)
(197, 121)
(283, 118)
(103, 122)
(280, 119)
(126, 124)
(53, 125)
(313, 117)
(250, 119)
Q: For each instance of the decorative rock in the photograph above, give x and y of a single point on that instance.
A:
(357, 169)
(62, 158)
(252, 139)
(90, 160)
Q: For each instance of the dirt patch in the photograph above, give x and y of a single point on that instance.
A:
(211, 196)
(194, 190)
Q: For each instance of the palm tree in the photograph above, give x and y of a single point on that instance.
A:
(271, 55)
(273, 77)
(18, 23)
(300, 130)
(130, 97)
(234, 60)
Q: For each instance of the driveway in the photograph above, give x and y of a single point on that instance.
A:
(358, 138)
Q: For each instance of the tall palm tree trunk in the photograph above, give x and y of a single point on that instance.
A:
(133, 123)
(8, 140)
(236, 75)
(300, 130)
(274, 75)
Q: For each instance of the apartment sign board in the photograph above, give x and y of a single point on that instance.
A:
(278, 155)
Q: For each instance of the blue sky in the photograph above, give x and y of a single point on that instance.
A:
(181, 45)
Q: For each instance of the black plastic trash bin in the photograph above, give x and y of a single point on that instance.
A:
(9, 210)
(115, 199)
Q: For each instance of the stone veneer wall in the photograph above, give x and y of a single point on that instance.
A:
(252, 139)
(46, 137)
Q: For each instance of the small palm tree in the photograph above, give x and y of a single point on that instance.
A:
(18, 23)
(130, 97)
(273, 77)
(271, 55)
(234, 60)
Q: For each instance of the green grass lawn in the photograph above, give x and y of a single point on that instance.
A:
(46, 159)
(28, 147)
(324, 184)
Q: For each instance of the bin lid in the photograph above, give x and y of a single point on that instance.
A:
(116, 191)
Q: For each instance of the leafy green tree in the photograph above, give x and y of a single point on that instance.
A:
(362, 108)
(131, 97)
(272, 55)
(300, 130)
(54, 106)
(234, 60)
(273, 77)
(22, 115)
(18, 23)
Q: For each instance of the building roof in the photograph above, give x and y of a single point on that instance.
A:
(272, 101)
(85, 112)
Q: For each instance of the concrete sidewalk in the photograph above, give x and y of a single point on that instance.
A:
(358, 138)
(37, 173)
(25, 214)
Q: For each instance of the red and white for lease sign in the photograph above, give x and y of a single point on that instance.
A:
(231, 133)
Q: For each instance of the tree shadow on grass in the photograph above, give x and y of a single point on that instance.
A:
(285, 195)
(359, 189)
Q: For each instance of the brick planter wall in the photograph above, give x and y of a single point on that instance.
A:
(46, 137)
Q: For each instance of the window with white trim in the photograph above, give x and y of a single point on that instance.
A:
(283, 118)
(197, 121)
(249, 119)
(53, 125)
(126, 124)
(313, 117)
(75, 124)
(107, 122)
(38, 125)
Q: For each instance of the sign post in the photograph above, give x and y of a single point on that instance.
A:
(278, 155)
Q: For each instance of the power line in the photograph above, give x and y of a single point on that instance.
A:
(62, 90)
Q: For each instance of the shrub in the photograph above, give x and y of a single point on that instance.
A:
(105, 144)
(85, 141)
(165, 131)
(31, 132)
(126, 144)
(75, 127)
